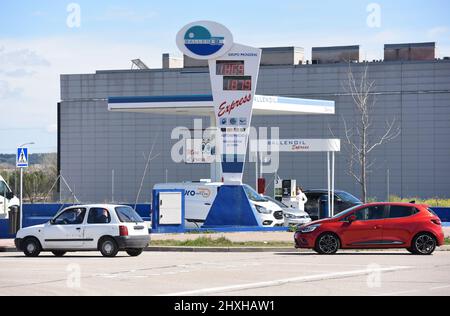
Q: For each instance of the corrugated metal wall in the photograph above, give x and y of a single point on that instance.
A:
(94, 142)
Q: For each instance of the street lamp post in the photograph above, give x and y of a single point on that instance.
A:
(21, 188)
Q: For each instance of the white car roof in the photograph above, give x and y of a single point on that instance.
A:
(108, 206)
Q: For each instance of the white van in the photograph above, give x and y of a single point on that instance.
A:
(200, 197)
(7, 199)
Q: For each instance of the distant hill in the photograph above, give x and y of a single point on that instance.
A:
(10, 160)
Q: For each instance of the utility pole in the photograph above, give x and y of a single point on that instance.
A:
(388, 184)
(112, 185)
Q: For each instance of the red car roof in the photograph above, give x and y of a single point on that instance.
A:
(397, 204)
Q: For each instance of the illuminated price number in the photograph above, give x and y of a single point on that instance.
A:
(230, 68)
(243, 83)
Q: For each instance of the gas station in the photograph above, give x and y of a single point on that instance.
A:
(220, 172)
(234, 70)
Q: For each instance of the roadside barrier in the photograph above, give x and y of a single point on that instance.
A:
(36, 214)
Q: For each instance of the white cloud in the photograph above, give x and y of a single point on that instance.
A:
(8, 92)
(438, 32)
(52, 128)
(29, 94)
(118, 13)
(388, 37)
(18, 73)
(21, 58)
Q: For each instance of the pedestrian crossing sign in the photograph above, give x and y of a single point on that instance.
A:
(22, 158)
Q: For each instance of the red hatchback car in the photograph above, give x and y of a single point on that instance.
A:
(375, 226)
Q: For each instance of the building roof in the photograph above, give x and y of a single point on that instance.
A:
(410, 45)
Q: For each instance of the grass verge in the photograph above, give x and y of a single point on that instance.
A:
(447, 241)
(434, 202)
(218, 242)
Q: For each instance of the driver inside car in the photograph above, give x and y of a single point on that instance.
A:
(103, 218)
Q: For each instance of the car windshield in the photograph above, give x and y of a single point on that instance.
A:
(253, 195)
(349, 198)
(347, 211)
(282, 205)
(127, 215)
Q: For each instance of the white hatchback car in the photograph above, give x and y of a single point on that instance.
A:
(105, 228)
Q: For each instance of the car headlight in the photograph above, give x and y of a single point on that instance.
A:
(289, 216)
(309, 229)
(263, 210)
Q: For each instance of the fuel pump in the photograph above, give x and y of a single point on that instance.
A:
(289, 189)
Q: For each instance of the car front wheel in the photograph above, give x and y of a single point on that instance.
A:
(108, 247)
(424, 244)
(327, 244)
(134, 252)
(31, 247)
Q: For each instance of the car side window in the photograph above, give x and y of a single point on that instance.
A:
(312, 206)
(397, 211)
(99, 216)
(3, 189)
(370, 213)
(73, 216)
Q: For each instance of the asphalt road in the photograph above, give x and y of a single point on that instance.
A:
(230, 274)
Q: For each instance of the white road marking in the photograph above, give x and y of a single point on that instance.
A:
(414, 291)
(318, 277)
(440, 288)
(396, 293)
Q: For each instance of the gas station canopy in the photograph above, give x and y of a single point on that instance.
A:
(202, 105)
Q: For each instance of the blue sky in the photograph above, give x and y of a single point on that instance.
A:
(36, 45)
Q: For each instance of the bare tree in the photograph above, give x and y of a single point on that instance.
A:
(359, 139)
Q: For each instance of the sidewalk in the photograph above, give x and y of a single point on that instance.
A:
(234, 237)
(244, 237)
(7, 245)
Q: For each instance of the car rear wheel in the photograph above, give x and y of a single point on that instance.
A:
(31, 247)
(327, 244)
(424, 244)
(108, 247)
(59, 254)
(134, 252)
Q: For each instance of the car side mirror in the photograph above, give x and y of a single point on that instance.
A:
(52, 222)
(352, 219)
(9, 195)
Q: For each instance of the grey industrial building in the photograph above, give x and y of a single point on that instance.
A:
(102, 155)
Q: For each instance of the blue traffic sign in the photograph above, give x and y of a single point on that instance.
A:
(22, 158)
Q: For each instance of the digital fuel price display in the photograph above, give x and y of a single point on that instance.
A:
(233, 72)
(230, 68)
(237, 83)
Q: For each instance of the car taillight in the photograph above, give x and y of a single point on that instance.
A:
(437, 222)
(123, 231)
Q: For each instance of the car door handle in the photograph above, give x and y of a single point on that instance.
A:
(78, 228)
(378, 227)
